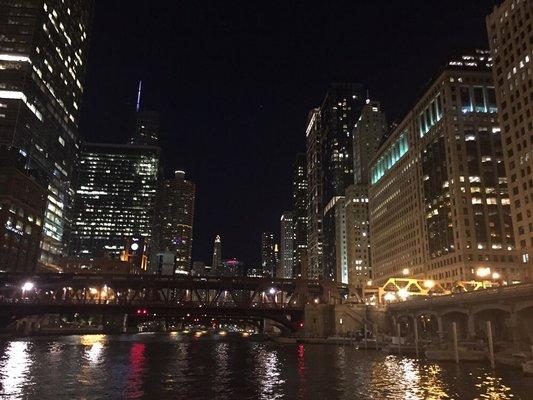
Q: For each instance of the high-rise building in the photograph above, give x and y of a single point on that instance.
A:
(116, 198)
(146, 129)
(367, 134)
(439, 205)
(174, 230)
(269, 258)
(299, 204)
(353, 240)
(217, 254)
(338, 115)
(315, 189)
(22, 206)
(43, 52)
(287, 245)
(352, 220)
(511, 42)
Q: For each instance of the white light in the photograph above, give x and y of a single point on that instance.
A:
(28, 286)
(495, 275)
(403, 293)
(483, 272)
(272, 291)
(390, 296)
(134, 246)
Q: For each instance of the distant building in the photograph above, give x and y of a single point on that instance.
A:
(22, 205)
(146, 129)
(43, 57)
(174, 228)
(509, 28)
(287, 245)
(116, 198)
(299, 204)
(439, 203)
(217, 254)
(200, 269)
(231, 268)
(269, 257)
(99, 265)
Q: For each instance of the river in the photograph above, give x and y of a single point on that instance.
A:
(172, 366)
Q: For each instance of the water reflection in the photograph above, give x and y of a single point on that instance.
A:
(14, 370)
(136, 371)
(161, 367)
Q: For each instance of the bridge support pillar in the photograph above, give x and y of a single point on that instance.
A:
(440, 329)
(471, 326)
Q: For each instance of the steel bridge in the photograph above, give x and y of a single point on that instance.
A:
(279, 300)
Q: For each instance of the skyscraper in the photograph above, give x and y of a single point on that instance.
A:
(43, 52)
(338, 115)
(269, 258)
(22, 206)
(217, 255)
(175, 220)
(116, 198)
(287, 245)
(315, 189)
(509, 28)
(299, 204)
(353, 241)
(439, 205)
(146, 131)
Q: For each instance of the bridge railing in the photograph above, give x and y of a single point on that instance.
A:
(517, 290)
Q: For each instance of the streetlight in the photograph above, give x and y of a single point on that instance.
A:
(389, 296)
(483, 272)
(495, 276)
(405, 271)
(429, 284)
(272, 291)
(27, 287)
(403, 293)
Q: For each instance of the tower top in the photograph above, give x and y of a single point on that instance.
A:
(139, 90)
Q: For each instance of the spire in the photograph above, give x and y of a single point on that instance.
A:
(367, 96)
(138, 106)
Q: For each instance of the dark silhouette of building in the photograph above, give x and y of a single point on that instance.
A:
(22, 207)
(174, 230)
(269, 254)
(299, 207)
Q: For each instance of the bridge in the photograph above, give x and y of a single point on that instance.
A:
(508, 308)
(282, 301)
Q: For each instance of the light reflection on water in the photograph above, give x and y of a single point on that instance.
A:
(173, 366)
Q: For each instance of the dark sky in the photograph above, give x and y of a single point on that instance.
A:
(234, 81)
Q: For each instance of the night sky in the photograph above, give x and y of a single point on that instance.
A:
(234, 81)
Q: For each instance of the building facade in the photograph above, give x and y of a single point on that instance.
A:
(116, 198)
(22, 205)
(352, 217)
(287, 245)
(269, 254)
(174, 229)
(339, 113)
(146, 129)
(299, 207)
(43, 53)
(511, 42)
(315, 191)
(439, 205)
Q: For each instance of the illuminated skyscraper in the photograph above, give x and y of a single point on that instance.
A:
(116, 197)
(299, 204)
(269, 256)
(174, 228)
(217, 255)
(287, 245)
(43, 52)
(439, 204)
(511, 43)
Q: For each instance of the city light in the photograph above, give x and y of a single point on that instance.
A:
(390, 296)
(272, 291)
(429, 284)
(27, 286)
(483, 272)
(403, 293)
(496, 276)
(405, 271)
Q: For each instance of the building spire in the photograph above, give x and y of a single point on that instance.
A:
(138, 105)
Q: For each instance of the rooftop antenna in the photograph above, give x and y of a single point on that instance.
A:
(138, 106)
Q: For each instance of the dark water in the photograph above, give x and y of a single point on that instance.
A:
(156, 366)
